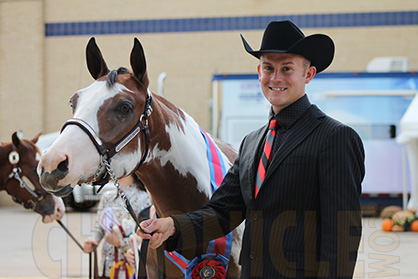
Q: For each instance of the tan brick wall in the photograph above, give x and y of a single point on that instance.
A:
(356, 47)
(54, 67)
(21, 67)
(81, 10)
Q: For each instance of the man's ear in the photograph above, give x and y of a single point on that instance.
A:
(310, 73)
(258, 71)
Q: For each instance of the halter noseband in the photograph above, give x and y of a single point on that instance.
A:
(107, 153)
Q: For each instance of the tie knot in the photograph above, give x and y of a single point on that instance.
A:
(273, 124)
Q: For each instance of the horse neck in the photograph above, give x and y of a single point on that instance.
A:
(177, 175)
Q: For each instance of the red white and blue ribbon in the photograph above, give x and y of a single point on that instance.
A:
(219, 249)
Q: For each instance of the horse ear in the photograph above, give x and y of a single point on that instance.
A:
(35, 139)
(95, 62)
(138, 63)
(15, 139)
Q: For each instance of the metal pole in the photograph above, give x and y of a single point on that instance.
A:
(405, 182)
(215, 96)
(161, 79)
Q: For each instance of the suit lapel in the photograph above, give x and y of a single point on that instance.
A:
(303, 127)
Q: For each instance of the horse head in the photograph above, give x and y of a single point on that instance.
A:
(109, 117)
(19, 160)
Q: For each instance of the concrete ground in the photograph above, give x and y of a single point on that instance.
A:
(31, 249)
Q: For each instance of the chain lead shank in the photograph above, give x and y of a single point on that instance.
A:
(122, 194)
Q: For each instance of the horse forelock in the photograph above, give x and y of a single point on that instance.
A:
(112, 77)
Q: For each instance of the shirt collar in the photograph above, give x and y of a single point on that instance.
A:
(287, 116)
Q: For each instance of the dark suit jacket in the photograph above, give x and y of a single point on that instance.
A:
(306, 220)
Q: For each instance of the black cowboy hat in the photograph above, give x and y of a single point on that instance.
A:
(286, 37)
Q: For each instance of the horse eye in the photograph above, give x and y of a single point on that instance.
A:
(126, 109)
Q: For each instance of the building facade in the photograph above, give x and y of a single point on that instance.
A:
(42, 46)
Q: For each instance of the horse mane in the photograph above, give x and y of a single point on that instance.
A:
(112, 77)
(170, 106)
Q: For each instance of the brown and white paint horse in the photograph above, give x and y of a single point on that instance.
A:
(175, 166)
(18, 162)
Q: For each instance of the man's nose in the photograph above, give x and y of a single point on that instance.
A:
(277, 76)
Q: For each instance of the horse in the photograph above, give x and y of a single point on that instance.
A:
(18, 177)
(118, 118)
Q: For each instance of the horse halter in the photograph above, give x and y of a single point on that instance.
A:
(14, 159)
(106, 152)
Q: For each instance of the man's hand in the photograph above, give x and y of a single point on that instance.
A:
(88, 245)
(162, 228)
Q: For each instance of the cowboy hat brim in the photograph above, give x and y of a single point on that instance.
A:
(319, 49)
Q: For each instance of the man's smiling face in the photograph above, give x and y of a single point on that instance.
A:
(283, 77)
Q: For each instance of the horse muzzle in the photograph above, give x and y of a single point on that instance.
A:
(57, 213)
(61, 191)
(50, 180)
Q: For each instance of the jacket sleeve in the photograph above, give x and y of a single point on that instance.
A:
(341, 171)
(224, 212)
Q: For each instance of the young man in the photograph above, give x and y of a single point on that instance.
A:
(296, 181)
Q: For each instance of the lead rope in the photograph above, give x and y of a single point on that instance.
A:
(160, 250)
(15, 175)
(70, 234)
(95, 266)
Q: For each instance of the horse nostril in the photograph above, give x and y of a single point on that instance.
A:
(63, 166)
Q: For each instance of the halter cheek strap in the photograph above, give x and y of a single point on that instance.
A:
(140, 126)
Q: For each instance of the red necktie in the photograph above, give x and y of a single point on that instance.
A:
(266, 156)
